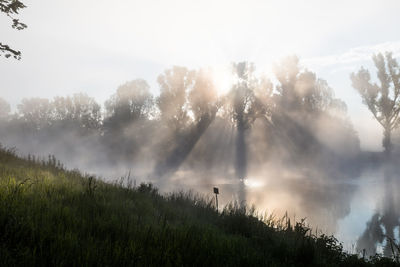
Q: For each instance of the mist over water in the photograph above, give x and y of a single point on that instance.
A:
(286, 147)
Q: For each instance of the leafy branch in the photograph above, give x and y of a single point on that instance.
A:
(11, 8)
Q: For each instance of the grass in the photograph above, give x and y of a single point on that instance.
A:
(50, 216)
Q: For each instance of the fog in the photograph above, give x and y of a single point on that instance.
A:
(284, 144)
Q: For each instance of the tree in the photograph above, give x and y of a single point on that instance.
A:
(301, 91)
(203, 103)
(132, 101)
(4, 109)
(127, 117)
(79, 111)
(203, 96)
(305, 116)
(382, 100)
(86, 111)
(287, 74)
(175, 84)
(63, 109)
(36, 112)
(11, 8)
(249, 97)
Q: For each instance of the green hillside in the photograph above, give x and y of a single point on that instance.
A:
(50, 216)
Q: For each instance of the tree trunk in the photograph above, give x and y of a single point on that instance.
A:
(387, 141)
(241, 162)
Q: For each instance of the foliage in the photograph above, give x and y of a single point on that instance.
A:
(11, 8)
(175, 84)
(4, 109)
(249, 96)
(132, 101)
(382, 100)
(300, 90)
(80, 109)
(203, 99)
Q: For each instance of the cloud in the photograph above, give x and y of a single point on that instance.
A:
(353, 56)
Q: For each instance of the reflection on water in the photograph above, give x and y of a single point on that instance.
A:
(360, 211)
(382, 229)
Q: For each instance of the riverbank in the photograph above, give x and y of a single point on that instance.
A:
(50, 216)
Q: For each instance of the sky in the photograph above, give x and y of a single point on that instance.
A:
(94, 46)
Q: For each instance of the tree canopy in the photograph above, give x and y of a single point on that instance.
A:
(383, 99)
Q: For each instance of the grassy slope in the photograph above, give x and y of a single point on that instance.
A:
(50, 216)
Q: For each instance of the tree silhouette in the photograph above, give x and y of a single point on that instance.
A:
(11, 8)
(203, 96)
(301, 91)
(35, 112)
(132, 101)
(175, 84)
(86, 112)
(129, 108)
(63, 109)
(244, 108)
(201, 100)
(4, 109)
(382, 100)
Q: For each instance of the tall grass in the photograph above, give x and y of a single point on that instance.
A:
(50, 216)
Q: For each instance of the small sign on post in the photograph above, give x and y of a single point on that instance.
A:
(216, 192)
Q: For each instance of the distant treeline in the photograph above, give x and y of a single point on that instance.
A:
(296, 118)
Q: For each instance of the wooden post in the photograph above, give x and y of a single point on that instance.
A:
(216, 192)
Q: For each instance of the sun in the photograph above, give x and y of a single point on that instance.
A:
(223, 80)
